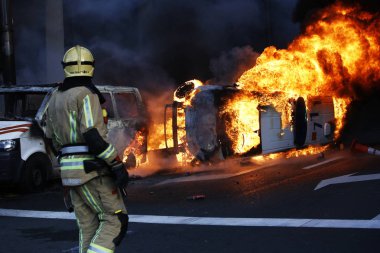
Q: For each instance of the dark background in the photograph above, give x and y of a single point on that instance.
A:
(157, 44)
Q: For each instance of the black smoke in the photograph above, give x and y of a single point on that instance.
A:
(29, 40)
(305, 10)
(229, 66)
(154, 44)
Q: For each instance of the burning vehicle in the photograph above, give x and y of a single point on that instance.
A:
(26, 158)
(291, 98)
(213, 122)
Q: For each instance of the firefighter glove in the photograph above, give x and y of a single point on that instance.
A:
(120, 172)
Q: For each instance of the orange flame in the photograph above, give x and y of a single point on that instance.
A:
(196, 83)
(242, 125)
(135, 148)
(340, 109)
(339, 49)
(307, 151)
(291, 153)
(335, 52)
(156, 138)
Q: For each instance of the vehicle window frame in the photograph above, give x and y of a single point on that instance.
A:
(19, 103)
(26, 100)
(41, 113)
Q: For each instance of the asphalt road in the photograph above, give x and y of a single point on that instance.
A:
(248, 206)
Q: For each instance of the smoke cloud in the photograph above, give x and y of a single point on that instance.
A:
(154, 44)
(229, 66)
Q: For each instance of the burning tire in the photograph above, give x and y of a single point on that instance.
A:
(300, 123)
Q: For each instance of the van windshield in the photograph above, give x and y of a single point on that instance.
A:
(20, 104)
(126, 105)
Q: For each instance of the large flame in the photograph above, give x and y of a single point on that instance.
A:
(241, 116)
(135, 148)
(156, 138)
(335, 52)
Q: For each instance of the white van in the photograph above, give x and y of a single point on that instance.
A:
(25, 157)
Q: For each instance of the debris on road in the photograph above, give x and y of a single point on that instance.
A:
(321, 156)
(196, 197)
(135, 177)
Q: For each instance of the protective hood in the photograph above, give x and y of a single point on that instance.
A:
(78, 81)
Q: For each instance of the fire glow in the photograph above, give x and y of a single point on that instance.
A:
(336, 54)
(336, 51)
(134, 148)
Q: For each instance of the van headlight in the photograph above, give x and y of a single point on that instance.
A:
(7, 145)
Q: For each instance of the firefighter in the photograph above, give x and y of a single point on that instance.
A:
(90, 167)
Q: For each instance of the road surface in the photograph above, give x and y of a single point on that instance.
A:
(306, 204)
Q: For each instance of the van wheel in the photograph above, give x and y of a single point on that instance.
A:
(34, 176)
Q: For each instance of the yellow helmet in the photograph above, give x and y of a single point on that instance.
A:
(78, 61)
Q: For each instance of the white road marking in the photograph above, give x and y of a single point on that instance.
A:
(212, 221)
(347, 179)
(376, 217)
(321, 163)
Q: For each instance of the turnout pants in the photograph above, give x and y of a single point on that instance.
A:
(101, 215)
